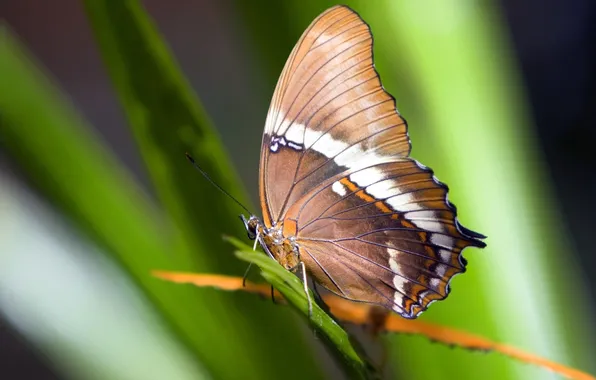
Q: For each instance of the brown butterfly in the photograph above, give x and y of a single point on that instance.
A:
(341, 199)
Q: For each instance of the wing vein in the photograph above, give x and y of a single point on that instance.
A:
(322, 66)
(325, 271)
(350, 194)
(296, 49)
(381, 266)
(282, 210)
(383, 199)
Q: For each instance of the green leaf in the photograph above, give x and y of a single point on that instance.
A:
(293, 290)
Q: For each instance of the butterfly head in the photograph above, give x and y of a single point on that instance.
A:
(252, 226)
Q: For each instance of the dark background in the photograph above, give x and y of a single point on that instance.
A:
(554, 42)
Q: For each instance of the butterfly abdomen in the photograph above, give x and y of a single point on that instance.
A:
(283, 249)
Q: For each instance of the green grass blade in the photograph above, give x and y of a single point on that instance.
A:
(41, 134)
(292, 289)
(167, 120)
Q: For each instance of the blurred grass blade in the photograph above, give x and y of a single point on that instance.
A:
(62, 158)
(167, 120)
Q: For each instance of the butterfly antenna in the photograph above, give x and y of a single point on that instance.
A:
(193, 162)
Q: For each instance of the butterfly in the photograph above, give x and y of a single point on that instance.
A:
(341, 198)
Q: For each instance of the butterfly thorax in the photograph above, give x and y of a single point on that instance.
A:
(283, 249)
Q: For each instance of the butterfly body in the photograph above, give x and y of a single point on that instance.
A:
(339, 193)
(279, 247)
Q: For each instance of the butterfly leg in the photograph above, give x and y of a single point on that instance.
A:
(254, 247)
(305, 284)
(318, 298)
(273, 294)
(246, 275)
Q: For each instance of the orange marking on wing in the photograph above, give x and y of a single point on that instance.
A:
(383, 207)
(368, 198)
(365, 197)
(290, 227)
(407, 223)
(349, 184)
(265, 210)
(460, 243)
(407, 305)
(416, 289)
(430, 251)
(451, 230)
(416, 309)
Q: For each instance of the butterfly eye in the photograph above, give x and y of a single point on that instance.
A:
(251, 227)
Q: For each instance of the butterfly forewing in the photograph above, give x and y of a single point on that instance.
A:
(371, 224)
(329, 112)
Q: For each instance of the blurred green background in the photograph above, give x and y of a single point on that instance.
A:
(95, 117)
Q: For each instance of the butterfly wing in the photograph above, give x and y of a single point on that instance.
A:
(372, 224)
(385, 234)
(327, 110)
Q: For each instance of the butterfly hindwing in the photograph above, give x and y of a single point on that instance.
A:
(389, 230)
